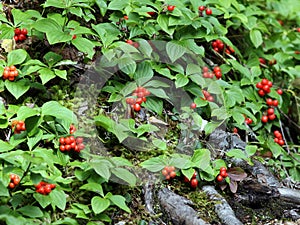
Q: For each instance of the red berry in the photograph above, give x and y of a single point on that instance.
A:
(270, 111)
(270, 83)
(272, 117)
(16, 38)
(11, 185)
(74, 36)
(129, 42)
(81, 146)
(137, 107)
(210, 98)
(47, 189)
(235, 130)
(279, 91)
(173, 174)
(194, 175)
(12, 176)
(277, 134)
(208, 11)
(266, 88)
(125, 17)
(201, 8)
(67, 140)
(68, 147)
(16, 181)
(275, 103)
(269, 101)
(214, 44)
(164, 172)
(62, 148)
(223, 169)
(248, 121)
(79, 140)
(151, 13)
(262, 61)
(52, 186)
(193, 105)
(280, 142)
(264, 81)
(261, 92)
(194, 183)
(223, 173)
(264, 119)
(259, 85)
(185, 179)
(17, 31)
(24, 31)
(130, 101)
(276, 140)
(171, 8)
(139, 101)
(219, 178)
(22, 37)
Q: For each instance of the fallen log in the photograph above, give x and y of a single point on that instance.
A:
(222, 208)
(178, 208)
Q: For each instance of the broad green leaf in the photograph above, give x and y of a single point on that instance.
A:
(3, 189)
(16, 57)
(84, 45)
(55, 109)
(43, 200)
(256, 37)
(17, 88)
(57, 3)
(201, 158)
(46, 75)
(275, 148)
(95, 187)
(5, 146)
(58, 198)
(181, 80)
(31, 211)
(237, 153)
(99, 204)
(119, 201)
(118, 4)
(175, 51)
(163, 22)
(124, 175)
(102, 167)
(154, 164)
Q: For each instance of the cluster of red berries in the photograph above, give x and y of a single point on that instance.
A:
(20, 34)
(133, 43)
(71, 143)
(219, 46)
(14, 181)
(278, 138)
(72, 129)
(201, 8)
(193, 182)
(44, 188)
(140, 93)
(18, 126)
(10, 73)
(207, 96)
(248, 120)
(223, 174)
(171, 8)
(216, 72)
(169, 172)
(264, 87)
(268, 115)
(264, 62)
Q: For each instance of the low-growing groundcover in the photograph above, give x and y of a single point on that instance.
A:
(99, 96)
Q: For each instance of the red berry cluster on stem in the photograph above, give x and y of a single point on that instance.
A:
(223, 174)
(140, 93)
(44, 188)
(71, 143)
(169, 172)
(278, 138)
(216, 72)
(18, 126)
(10, 73)
(202, 8)
(264, 87)
(207, 96)
(14, 181)
(133, 43)
(193, 182)
(219, 46)
(20, 34)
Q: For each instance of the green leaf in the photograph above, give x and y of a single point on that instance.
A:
(181, 80)
(58, 198)
(119, 201)
(160, 144)
(237, 153)
(163, 22)
(256, 37)
(56, 3)
(17, 88)
(102, 167)
(154, 164)
(274, 147)
(175, 51)
(43, 200)
(84, 45)
(46, 75)
(251, 150)
(55, 109)
(118, 4)
(94, 187)
(99, 204)
(125, 175)
(5, 147)
(16, 57)
(3, 189)
(201, 158)
(31, 211)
